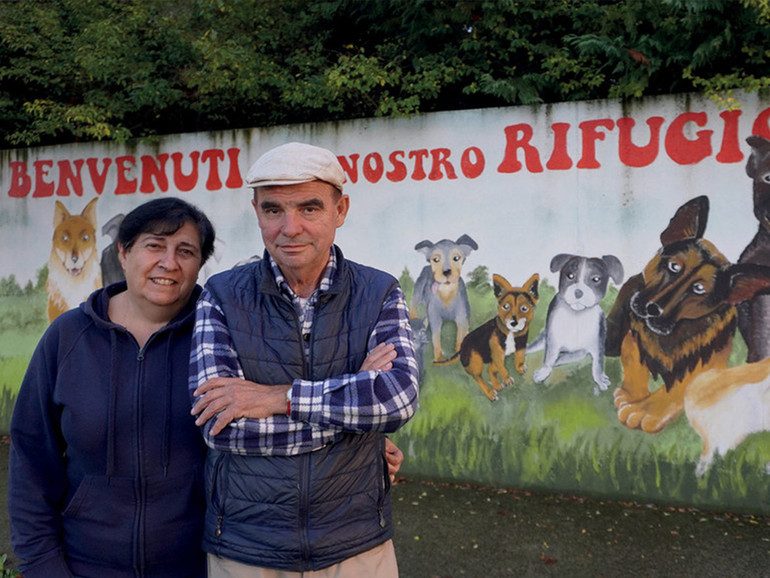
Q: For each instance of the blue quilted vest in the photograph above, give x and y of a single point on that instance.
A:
(306, 512)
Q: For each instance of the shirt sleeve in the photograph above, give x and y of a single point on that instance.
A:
(212, 352)
(380, 401)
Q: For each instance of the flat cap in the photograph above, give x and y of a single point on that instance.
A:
(293, 163)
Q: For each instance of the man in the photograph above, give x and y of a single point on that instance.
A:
(301, 362)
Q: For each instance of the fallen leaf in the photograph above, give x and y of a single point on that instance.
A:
(547, 560)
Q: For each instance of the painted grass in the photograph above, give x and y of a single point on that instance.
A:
(22, 322)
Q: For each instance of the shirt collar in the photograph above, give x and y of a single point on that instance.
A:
(326, 279)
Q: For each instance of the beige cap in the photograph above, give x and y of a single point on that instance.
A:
(295, 163)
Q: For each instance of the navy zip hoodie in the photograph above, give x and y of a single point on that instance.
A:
(106, 462)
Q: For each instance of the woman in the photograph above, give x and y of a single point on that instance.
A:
(105, 471)
(106, 461)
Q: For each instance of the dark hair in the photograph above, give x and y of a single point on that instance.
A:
(165, 216)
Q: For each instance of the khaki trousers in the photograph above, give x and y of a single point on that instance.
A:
(379, 562)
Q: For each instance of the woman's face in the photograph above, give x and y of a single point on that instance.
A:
(161, 270)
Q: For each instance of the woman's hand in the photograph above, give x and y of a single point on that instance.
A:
(394, 457)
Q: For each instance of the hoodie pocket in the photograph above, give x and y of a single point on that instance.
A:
(173, 518)
(102, 511)
(78, 498)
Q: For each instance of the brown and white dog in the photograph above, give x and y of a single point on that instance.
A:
(73, 266)
(503, 335)
(676, 319)
(726, 405)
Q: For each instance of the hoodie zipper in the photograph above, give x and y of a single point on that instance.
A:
(140, 486)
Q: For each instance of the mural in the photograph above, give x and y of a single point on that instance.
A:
(589, 283)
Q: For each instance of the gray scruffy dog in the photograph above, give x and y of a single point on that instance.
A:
(441, 290)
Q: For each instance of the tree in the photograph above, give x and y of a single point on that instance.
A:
(479, 279)
(406, 282)
(41, 278)
(119, 69)
(9, 287)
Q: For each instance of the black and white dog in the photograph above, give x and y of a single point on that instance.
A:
(575, 325)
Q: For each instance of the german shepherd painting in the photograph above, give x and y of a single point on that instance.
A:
(676, 319)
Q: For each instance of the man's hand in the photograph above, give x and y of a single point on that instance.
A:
(381, 357)
(233, 398)
(394, 457)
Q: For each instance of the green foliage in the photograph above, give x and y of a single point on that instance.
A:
(113, 70)
(407, 283)
(479, 279)
(7, 572)
(42, 278)
(23, 321)
(9, 287)
(21, 310)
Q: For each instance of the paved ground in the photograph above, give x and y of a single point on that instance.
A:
(451, 531)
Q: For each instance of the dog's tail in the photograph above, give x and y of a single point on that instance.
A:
(537, 344)
(449, 361)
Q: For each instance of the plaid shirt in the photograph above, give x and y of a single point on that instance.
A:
(320, 410)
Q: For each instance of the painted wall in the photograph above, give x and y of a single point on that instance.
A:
(510, 195)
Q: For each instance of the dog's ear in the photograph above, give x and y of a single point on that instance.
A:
(89, 213)
(618, 319)
(689, 222)
(532, 287)
(112, 226)
(424, 247)
(760, 149)
(500, 285)
(60, 214)
(560, 260)
(614, 268)
(741, 282)
(466, 244)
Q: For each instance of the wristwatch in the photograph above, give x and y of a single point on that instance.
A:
(288, 401)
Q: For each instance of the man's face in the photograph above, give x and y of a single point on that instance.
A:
(298, 224)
